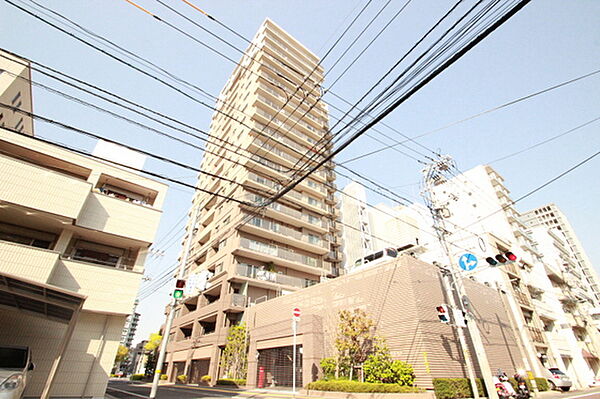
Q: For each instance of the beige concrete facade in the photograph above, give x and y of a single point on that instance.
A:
(15, 91)
(400, 296)
(246, 257)
(82, 225)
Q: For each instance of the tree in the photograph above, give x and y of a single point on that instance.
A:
(354, 341)
(122, 354)
(234, 359)
(154, 341)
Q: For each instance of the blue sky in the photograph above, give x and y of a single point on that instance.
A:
(548, 42)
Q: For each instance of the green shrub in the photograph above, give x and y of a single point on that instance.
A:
(137, 377)
(451, 388)
(328, 365)
(163, 377)
(355, 386)
(182, 378)
(542, 383)
(205, 378)
(231, 381)
(380, 367)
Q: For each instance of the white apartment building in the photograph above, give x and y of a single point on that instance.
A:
(483, 221)
(369, 229)
(74, 234)
(249, 256)
(567, 321)
(552, 217)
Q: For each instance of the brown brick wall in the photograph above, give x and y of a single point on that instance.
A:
(400, 297)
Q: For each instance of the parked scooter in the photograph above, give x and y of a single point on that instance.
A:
(522, 388)
(503, 387)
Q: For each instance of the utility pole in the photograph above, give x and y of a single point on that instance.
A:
(171, 314)
(434, 174)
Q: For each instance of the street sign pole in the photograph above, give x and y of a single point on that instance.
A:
(295, 319)
(163, 345)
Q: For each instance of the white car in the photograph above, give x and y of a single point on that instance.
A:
(15, 365)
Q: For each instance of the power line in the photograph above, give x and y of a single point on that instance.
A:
(81, 152)
(538, 188)
(493, 109)
(545, 141)
(409, 93)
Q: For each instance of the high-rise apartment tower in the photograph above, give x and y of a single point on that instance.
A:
(551, 216)
(269, 120)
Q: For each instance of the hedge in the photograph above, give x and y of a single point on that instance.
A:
(137, 377)
(542, 384)
(451, 388)
(231, 381)
(355, 386)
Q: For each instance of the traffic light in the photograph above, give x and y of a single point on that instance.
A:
(443, 314)
(179, 286)
(507, 257)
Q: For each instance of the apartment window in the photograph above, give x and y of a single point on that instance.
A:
(314, 239)
(222, 243)
(312, 184)
(26, 240)
(309, 260)
(313, 201)
(263, 247)
(16, 98)
(314, 219)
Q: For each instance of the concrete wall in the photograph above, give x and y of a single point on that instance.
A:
(86, 366)
(400, 296)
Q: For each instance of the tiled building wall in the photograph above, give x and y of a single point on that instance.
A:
(400, 297)
(88, 359)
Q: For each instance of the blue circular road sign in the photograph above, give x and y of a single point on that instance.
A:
(467, 262)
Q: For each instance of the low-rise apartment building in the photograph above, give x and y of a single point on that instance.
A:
(74, 234)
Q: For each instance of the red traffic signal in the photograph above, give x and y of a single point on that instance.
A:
(180, 283)
(443, 314)
(507, 257)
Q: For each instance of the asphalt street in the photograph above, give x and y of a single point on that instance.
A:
(133, 390)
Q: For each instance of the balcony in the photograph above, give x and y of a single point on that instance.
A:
(28, 262)
(290, 215)
(41, 189)
(545, 309)
(522, 298)
(273, 230)
(536, 335)
(270, 278)
(282, 256)
(99, 283)
(119, 217)
(235, 303)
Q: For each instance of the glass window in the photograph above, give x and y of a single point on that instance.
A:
(13, 358)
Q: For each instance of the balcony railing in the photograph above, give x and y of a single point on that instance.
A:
(536, 334)
(522, 298)
(254, 272)
(239, 300)
(279, 252)
(286, 231)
